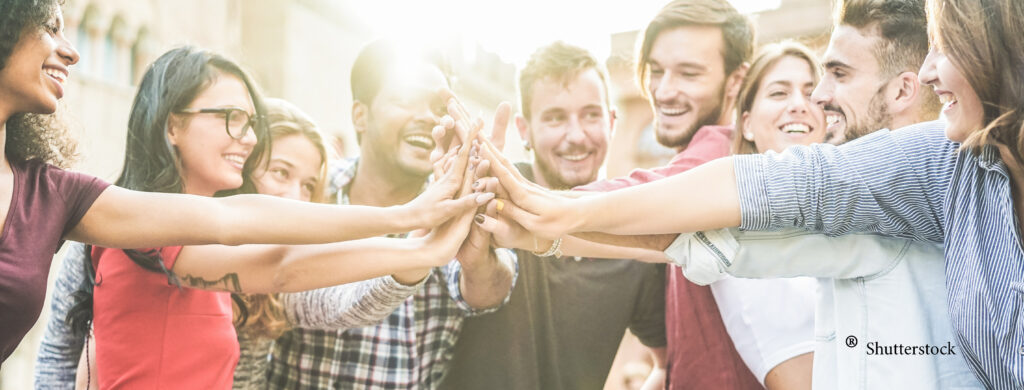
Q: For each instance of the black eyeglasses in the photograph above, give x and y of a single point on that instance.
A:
(237, 122)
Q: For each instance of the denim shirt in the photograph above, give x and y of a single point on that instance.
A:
(874, 292)
(912, 183)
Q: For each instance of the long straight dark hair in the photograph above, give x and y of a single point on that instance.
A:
(151, 164)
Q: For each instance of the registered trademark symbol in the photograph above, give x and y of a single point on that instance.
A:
(851, 341)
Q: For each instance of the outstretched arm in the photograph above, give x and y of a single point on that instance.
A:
(121, 218)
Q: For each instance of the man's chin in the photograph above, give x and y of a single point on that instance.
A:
(674, 136)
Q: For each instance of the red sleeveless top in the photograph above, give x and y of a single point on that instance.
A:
(153, 335)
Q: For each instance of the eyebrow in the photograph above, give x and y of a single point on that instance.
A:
(837, 64)
(684, 64)
(282, 161)
(557, 110)
(784, 83)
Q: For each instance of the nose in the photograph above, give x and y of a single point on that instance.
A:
(67, 51)
(928, 74)
(250, 138)
(664, 88)
(798, 103)
(574, 130)
(822, 94)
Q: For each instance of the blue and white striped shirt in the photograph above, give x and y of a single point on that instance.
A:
(912, 183)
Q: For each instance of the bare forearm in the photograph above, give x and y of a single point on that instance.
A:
(654, 242)
(583, 247)
(314, 266)
(486, 283)
(701, 199)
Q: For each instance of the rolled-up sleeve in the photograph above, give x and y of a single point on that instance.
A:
(453, 270)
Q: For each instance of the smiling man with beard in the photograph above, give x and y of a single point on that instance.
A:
(566, 318)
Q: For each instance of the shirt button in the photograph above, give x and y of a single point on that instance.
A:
(1021, 350)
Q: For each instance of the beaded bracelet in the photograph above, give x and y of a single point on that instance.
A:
(554, 250)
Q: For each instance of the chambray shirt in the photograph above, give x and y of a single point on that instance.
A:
(912, 183)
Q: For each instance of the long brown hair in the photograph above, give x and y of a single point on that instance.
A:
(264, 315)
(982, 38)
(766, 59)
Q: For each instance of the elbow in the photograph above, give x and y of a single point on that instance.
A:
(287, 276)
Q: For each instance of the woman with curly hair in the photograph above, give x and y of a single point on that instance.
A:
(48, 204)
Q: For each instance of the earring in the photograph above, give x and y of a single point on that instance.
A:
(526, 145)
(748, 136)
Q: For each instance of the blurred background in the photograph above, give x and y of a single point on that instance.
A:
(302, 51)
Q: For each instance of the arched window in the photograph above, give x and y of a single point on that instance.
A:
(85, 39)
(115, 56)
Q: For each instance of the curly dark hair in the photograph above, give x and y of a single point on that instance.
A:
(32, 135)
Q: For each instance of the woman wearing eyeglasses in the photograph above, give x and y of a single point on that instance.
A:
(45, 204)
(152, 321)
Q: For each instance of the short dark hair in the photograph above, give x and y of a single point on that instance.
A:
(371, 66)
(737, 31)
(901, 25)
(558, 61)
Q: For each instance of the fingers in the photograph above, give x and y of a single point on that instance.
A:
(482, 168)
(505, 207)
(464, 205)
(502, 115)
(500, 171)
(492, 225)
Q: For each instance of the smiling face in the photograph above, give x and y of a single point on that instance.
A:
(686, 82)
(36, 72)
(401, 117)
(210, 159)
(852, 90)
(293, 171)
(960, 103)
(783, 113)
(568, 130)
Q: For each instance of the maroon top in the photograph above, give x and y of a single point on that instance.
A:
(700, 353)
(46, 204)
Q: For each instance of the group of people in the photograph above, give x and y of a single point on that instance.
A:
(863, 233)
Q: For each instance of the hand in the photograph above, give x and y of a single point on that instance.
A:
(445, 242)
(458, 122)
(546, 214)
(435, 205)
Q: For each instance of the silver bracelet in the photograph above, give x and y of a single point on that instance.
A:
(554, 250)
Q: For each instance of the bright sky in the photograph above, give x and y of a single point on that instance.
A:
(514, 29)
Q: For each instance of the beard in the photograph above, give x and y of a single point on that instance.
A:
(878, 118)
(677, 140)
(558, 182)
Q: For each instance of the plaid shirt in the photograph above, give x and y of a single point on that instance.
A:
(409, 349)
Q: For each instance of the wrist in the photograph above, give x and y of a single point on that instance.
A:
(405, 218)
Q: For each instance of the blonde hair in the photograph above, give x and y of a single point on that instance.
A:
(264, 315)
(766, 59)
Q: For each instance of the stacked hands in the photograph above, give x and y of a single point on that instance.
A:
(468, 164)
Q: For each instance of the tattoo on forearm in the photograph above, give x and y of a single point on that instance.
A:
(228, 282)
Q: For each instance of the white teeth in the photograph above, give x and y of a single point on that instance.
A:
(61, 77)
(832, 119)
(672, 111)
(796, 128)
(947, 99)
(235, 159)
(576, 157)
(420, 139)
